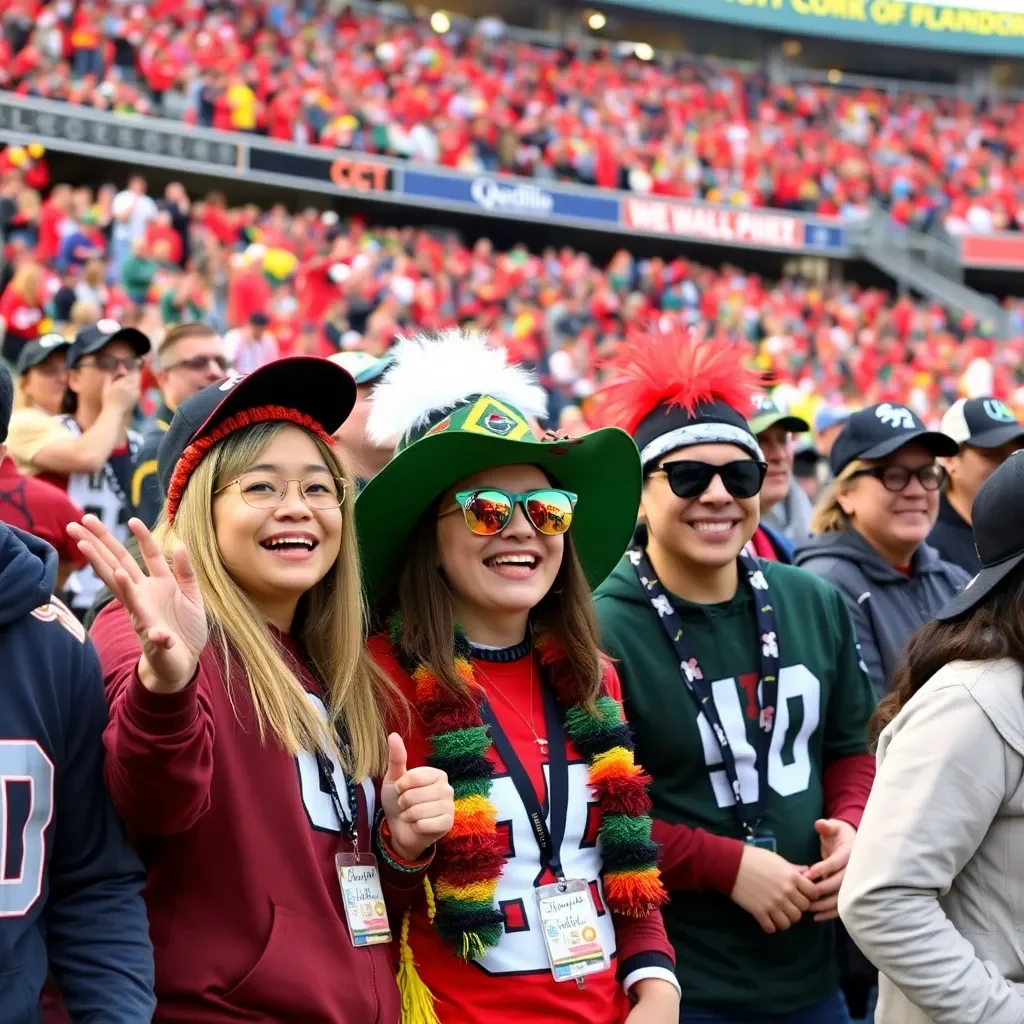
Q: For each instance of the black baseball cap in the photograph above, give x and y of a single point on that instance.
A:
(981, 423)
(96, 336)
(305, 390)
(997, 519)
(38, 351)
(879, 430)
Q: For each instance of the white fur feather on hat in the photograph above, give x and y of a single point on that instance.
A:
(433, 373)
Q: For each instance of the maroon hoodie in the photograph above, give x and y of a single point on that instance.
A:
(239, 840)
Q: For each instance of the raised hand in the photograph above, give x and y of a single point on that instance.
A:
(165, 605)
(419, 805)
(776, 892)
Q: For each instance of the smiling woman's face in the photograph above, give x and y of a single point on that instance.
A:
(708, 531)
(503, 576)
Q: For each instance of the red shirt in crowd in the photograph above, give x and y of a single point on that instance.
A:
(39, 508)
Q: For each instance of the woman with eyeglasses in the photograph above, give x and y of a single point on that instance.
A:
(246, 719)
(870, 528)
(480, 544)
(742, 683)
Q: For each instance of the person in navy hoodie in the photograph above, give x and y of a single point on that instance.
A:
(70, 884)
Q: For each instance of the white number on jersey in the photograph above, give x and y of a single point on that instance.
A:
(319, 805)
(796, 682)
(522, 950)
(23, 762)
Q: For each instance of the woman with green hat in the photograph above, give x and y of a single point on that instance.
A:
(480, 545)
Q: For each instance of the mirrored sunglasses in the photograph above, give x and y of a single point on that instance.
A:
(488, 511)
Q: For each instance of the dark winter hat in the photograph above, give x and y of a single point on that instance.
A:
(880, 430)
(671, 391)
(6, 401)
(312, 393)
(997, 519)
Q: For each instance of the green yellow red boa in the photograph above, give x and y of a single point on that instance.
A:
(469, 859)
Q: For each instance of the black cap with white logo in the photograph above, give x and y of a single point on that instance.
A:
(880, 430)
(38, 351)
(997, 519)
(313, 393)
(982, 423)
(91, 339)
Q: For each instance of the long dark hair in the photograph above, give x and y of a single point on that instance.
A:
(992, 629)
(565, 614)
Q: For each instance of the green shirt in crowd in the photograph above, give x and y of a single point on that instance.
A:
(724, 961)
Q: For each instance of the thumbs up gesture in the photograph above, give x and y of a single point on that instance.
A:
(419, 805)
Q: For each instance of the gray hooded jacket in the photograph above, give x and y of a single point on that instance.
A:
(886, 605)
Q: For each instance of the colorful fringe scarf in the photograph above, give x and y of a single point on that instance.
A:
(469, 859)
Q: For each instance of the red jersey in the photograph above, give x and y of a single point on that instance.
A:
(513, 981)
(39, 508)
(239, 840)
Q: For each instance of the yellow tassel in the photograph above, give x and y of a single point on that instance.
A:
(417, 1000)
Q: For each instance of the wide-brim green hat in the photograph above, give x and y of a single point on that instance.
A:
(456, 439)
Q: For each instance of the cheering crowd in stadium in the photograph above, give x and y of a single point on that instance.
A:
(688, 127)
(403, 629)
(339, 607)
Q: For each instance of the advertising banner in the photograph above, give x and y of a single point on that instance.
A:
(513, 197)
(759, 229)
(995, 252)
(993, 27)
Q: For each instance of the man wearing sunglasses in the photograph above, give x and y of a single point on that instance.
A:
(743, 686)
(191, 357)
(871, 525)
(88, 449)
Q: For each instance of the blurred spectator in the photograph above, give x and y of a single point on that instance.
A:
(88, 451)
(138, 271)
(81, 243)
(363, 457)
(188, 298)
(251, 345)
(190, 357)
(21, 307)
(132, 211)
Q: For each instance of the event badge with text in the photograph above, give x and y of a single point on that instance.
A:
(363, 898)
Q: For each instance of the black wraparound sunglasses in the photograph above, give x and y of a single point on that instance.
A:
(688, 479)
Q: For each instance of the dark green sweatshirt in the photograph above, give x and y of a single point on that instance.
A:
(724, 961)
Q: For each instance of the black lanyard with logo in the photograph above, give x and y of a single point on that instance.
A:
(549, 840)
(748, 814)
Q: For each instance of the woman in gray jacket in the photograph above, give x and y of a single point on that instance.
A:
(934, 891)
(871, 526)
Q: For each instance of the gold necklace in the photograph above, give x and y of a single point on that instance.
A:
(540, 741)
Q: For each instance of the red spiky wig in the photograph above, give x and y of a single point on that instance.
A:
(670, 389)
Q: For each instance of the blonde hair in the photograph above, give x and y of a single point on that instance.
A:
(828, 515)
(329, 623)
(28, 283)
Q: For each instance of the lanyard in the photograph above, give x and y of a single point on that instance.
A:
(549, 840)
(749, 815)
(349, 824)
